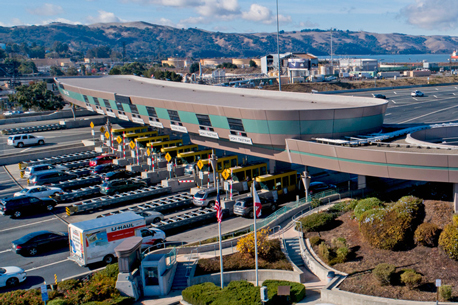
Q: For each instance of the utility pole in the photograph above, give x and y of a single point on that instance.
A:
(332, 70)
(278, 52)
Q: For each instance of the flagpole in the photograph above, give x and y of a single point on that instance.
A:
(253, 186)
(220, 246)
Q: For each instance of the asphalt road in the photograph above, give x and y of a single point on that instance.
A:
(438, 105)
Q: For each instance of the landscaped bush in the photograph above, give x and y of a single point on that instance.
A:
(315, 222)
(323, 252)
(343, 206)
(448, 241)
(297, 292)
(339, 242)
(315, 240)
(455, 219)
(334, 255)
(246, 244)
(392, 227)
(383, 273)
(410, 278)
(426, 234)
(202, 294)
(365, 205)
(445, 292)
(341, 255)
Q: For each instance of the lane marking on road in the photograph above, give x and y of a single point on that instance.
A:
(4, 251)
(30, 224)
(421, 116)
(26, 149)
(393, 101)
(410, 104)
(44, 266)
(387, 114)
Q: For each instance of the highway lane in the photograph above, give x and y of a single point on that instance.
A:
(40, 123)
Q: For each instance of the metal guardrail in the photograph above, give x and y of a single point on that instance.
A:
(63, 158)
(186, 218)
(88, 180)
(79, 193)
(92, 204)
(20, 130)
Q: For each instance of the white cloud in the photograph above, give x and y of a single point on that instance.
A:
(165, 21)
(174, 3)
(308, 24)
(432, 14)
(61, 20)
(259, 13)
(192, 20)
(103, 17)
(46, 9)
(16, 21)
(219, 8)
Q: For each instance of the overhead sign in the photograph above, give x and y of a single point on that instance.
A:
(132, 145)
(208, 134)
(107, 135)
(239, 139)
(200, 164)
(102, 129)
(168, 157)
(92, 125)
(119, 139)
(179, 128)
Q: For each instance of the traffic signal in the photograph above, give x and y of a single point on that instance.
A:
(264, 296)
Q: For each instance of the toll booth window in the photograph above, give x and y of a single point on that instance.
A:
(240, 176)
(285, 181)
(292, 180)
(255, 172)
(227, 163)
(233, 162)
(107, 103)
(268, 185)
(151, 276)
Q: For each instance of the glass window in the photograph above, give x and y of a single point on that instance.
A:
(263, 170)
(285, 181)
(173, 114)
(107, 103)
(204, 120)
(86, 99)
(151, 276)
(96, 101)
(240, 176)
(235, 124)
(151, 112)
(134, 109)
(292, 180)
(268, 185)
(233, 162)
(255, 172)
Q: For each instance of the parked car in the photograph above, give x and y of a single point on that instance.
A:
(39, 191)
(11, 276)
(120, 186)
(104, 168)
(102, 159)
(317, 186)
(119, 174)
(206, 198)
(379, 96)
(17, 206)
(417, 93)
(50, 177)
(244, 207)
(39, 242)
(32, 170)
(21, 140)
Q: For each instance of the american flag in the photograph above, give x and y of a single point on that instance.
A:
(256, 201)
(219, 211)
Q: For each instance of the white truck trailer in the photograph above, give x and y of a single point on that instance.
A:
(94, 240)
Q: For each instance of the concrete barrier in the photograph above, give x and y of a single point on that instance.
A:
(45, 116)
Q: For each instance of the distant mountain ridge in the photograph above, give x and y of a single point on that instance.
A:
(143, 39)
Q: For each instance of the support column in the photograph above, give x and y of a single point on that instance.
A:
(455, 197)
(272, 166)
(361, 182)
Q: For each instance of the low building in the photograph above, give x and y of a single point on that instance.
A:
(358, 64)
(419, 73)
(177, 62)
(44, 64)
(296, 65)
(213, 62)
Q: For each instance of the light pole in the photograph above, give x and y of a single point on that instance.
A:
(278, 52)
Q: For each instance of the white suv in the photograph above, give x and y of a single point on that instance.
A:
(20, 140)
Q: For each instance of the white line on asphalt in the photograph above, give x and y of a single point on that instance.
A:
(55, 263)
(437, 89)
(4, 251)
(30, 224)
(387, 114)
(427, 114)
(393, 101)
(414, 98)
(26, 149)
(435, 96)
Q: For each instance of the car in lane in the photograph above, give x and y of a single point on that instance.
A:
(118, 174)
(104, 168)
(244, 207)
(21, 140)
(18, 206)
(11, 276)
(120, 186)
(39, 191)
(318, 186)
(50, 177)
(377, 95)
(34, 169)
(206, 198)
(417, 93)
(102, 159)
(40, 242)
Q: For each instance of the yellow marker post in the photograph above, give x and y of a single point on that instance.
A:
(92, 125)
(200, 164)
(226, 174)
(119, 139)
(132, 145)
(102, 129)
(168, 157)
(107, 135)
(148, 152)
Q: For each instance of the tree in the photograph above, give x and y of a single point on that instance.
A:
(116, 70)
(27, 67)
(36, 95)
(2, 54)
(194, 68)
(56, 71)
(72, 71)
(253, 63)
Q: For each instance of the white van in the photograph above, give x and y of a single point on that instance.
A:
(41, 168)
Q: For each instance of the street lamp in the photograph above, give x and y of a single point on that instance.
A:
(278, 52)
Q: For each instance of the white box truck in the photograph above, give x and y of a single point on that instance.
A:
(94, 240)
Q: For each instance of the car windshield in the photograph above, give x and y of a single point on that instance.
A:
(2, 270)
(199, 195)
(24, 191)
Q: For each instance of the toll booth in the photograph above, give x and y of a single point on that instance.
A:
(157, 273)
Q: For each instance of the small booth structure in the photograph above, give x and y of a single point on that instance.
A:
(129, 257)
(157, 273)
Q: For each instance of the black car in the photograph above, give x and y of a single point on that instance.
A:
(17, 206)
(379, 96)
(41, 241)
(316, 187)
(104, 168)
(120, 186)
(244, 207)
(119, 174)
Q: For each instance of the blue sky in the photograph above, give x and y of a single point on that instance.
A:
(420, 17)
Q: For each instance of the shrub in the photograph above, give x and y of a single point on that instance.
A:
(445, 291)
(410, 278)
(455, 219)
(238, 292)
(342, 255)
(315, 202)
(391, 227)
(383, 273)
(448, 241)
(315, 240)
(202, 294)
(57, 302)
(343, 206)
(297, 292)
(339, 242)
(365, 205)
(67, 285)
(426, 234)
(323, 251)
(246, 244)
(315, 222)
